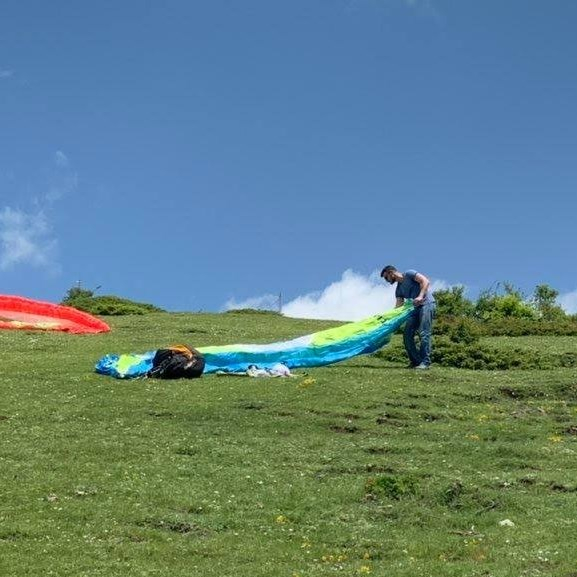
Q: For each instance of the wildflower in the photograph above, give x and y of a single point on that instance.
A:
(281, 519)
(306, 383)
(364, 569)
(506, 523)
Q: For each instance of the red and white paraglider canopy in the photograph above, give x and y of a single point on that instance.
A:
(23, 313)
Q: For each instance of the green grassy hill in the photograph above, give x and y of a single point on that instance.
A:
(354, 469)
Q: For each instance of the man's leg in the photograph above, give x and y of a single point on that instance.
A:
(425, 328)
(411, 328)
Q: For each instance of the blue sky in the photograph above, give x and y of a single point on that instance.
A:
(199, 155)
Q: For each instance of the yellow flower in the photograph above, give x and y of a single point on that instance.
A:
(281, 519)
(306, 383)
(555, 439)
(364, 569)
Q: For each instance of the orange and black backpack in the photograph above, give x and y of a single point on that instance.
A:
(177, 362)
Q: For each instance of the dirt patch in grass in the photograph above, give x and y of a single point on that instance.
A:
(187, 451)
(334, 414)
(12, 535)
(180, 527)
(357, 470)
(344, 428)
(561, 488)
(389, 419)
(161, 414)
(251, 405)
(377, 450)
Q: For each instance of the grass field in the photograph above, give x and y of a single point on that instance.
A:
(354, 469)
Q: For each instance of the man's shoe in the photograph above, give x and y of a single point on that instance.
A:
(422, 367)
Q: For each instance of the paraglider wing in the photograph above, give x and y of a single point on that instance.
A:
(22, 313)
(314, 350)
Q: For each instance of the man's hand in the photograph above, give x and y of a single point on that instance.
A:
(418, 301)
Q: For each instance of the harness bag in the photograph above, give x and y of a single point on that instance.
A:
(177, 362)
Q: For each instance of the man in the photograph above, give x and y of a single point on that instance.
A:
(414, 285)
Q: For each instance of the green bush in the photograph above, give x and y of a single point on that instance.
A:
(452, 303)
(480, 357)
(515, 327)
(393, 353)
(250, 311)
(545, 302)
(390, 486)
(465, 329)
(458, 329)
(508, 303)
(85, 300)
(476, 356)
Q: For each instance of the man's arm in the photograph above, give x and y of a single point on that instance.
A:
(400, 302)
(424, 283)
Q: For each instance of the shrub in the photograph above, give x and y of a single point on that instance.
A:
(480, 357)
(85, 300)
(522, 327)
(467, 329)
(476, 356)
(544, 300)
(250, 311)
(459, 330)
(452, 303)
(391, 486)
(493, 304)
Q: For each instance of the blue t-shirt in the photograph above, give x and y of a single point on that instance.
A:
(409, 288)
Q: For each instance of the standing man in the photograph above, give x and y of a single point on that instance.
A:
(414, 285)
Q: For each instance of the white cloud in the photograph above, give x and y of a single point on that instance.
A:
(424, 8)
(63, 181)
(25, 239)
(353, 297)
(265, 302)
(568, 302)
(61, 159)
(6, 73)
(61, 186)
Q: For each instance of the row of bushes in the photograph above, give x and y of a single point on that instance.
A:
(477, 356)
(503, 327)
(457, 343)
(503, 302)
(85, 300)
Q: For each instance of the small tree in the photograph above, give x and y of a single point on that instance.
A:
(76, 293)
(452, 303)
(506, 303)
(85, 300)
(545, 301)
